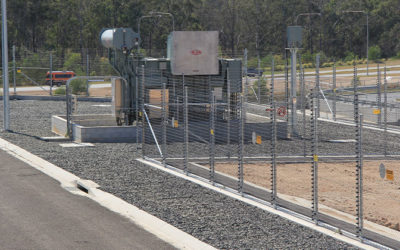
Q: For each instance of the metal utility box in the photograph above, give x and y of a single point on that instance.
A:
(294, 36)
(193, 52)
(120, 98)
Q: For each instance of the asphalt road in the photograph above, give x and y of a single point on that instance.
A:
(36, 213)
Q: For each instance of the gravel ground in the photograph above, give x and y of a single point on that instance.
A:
(211, 217)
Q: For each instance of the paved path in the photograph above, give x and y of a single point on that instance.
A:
(36, 213)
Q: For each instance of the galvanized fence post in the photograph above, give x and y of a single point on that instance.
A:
(246, 84)
(359, 173)
(228, 95)
(87, 71)
(212, 137)
(14, 71)
(318, 86)
(287, 88)
(259, 79)
(272, 83)
(379, 96)
(385, 112)
(186, 130)
(51, 73)
(303, 110)
(334, 91)
(164, 124)
(272, 117)
(142, 97)
(240, 142)
(137, 107)
(314, 149)
(273, 153)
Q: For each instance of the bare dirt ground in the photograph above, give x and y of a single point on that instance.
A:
(337, 186)
(100, 92)
(94, 92)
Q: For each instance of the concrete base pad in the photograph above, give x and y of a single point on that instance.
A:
(94, 128)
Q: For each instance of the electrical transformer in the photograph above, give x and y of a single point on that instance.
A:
(192, 61)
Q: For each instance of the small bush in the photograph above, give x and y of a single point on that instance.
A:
(374, 53)
(60, 91)
(350, 56)
(326, 65)
(78, 86)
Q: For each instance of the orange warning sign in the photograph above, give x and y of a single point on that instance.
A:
(376, 111)
(389, 175)
(258, 140)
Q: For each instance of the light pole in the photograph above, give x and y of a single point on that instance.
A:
(155, 14)
(6, 118)
(366, 14)
(309, 15)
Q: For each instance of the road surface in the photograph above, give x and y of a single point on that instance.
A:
(36, 213)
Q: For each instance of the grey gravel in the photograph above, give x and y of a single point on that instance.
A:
(209, 216)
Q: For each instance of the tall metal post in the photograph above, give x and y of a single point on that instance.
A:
(142, 97)
(137, 106)
(379, 96)
(241, 144)
(334, 91)
(87, 71)
(287, 87)
(6, 96)
(51, 73)
(273, 153)
(228, 118)
(164, 124)
(318, 86)
(359, 173)
(212, 137)
(293, 91)
(186, 130)
(314, 149)
(14, 71)
(385, 112)
(246, 85)
(367, 43)
(303, 106)
(259, 78)
(272, 116)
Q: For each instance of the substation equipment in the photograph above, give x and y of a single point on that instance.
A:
(192, 61)
(294, 39)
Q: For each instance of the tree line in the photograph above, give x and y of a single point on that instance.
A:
(258, 25)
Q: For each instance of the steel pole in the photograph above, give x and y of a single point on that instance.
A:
(293, 91)
(14, 71)
(367, 43)
(6, 96)
(87, 72)
(51, 73)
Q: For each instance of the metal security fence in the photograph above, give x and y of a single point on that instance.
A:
(322, 166)
(334, 165)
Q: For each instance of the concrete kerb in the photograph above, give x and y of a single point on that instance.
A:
(223, 190)
(71, 183)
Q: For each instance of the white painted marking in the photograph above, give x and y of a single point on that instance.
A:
(259, 205)
(76, 145)
(148, 222)
(102, 105)
(342, 141)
